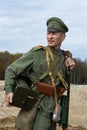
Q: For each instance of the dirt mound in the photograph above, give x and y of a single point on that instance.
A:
(72, 128)
(2, 83)
(9, 124)
(78, 106)
(77, 111)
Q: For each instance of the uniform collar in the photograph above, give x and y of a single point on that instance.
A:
(55, 51)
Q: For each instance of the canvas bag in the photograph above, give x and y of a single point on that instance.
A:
(25, 119)
(24, 97)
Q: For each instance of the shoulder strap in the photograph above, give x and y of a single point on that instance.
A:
(62, 80)
(39, 47)
(68, 54)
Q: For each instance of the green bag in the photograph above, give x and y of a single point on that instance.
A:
(28, 100)
(25, 119)
(24, 97)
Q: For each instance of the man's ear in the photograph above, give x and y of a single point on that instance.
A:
(63, 37)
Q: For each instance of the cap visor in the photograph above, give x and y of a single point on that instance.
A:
(53, 30)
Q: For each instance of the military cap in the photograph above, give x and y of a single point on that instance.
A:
(55, 24)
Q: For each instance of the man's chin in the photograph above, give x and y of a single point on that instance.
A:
(50, 44)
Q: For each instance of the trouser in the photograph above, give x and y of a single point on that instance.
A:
(44, 121)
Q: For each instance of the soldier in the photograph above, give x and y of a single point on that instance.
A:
(36, 62)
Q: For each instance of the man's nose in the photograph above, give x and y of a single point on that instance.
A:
(51, 35)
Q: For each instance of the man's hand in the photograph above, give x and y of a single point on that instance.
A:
(70, 63)
(9, 98)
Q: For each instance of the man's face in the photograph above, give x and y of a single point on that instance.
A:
(55, 39)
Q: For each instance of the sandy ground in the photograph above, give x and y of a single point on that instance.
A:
(77, 111)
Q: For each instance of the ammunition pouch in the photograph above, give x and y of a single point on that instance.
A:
(44, 88)
(47, 89)
(60, 90)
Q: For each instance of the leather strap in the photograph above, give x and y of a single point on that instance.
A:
(48, 52)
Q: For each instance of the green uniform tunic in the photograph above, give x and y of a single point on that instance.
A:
(33, 64)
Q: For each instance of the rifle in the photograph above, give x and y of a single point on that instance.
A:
(69, 74)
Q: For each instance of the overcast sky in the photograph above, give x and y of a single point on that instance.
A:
(23, 24)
